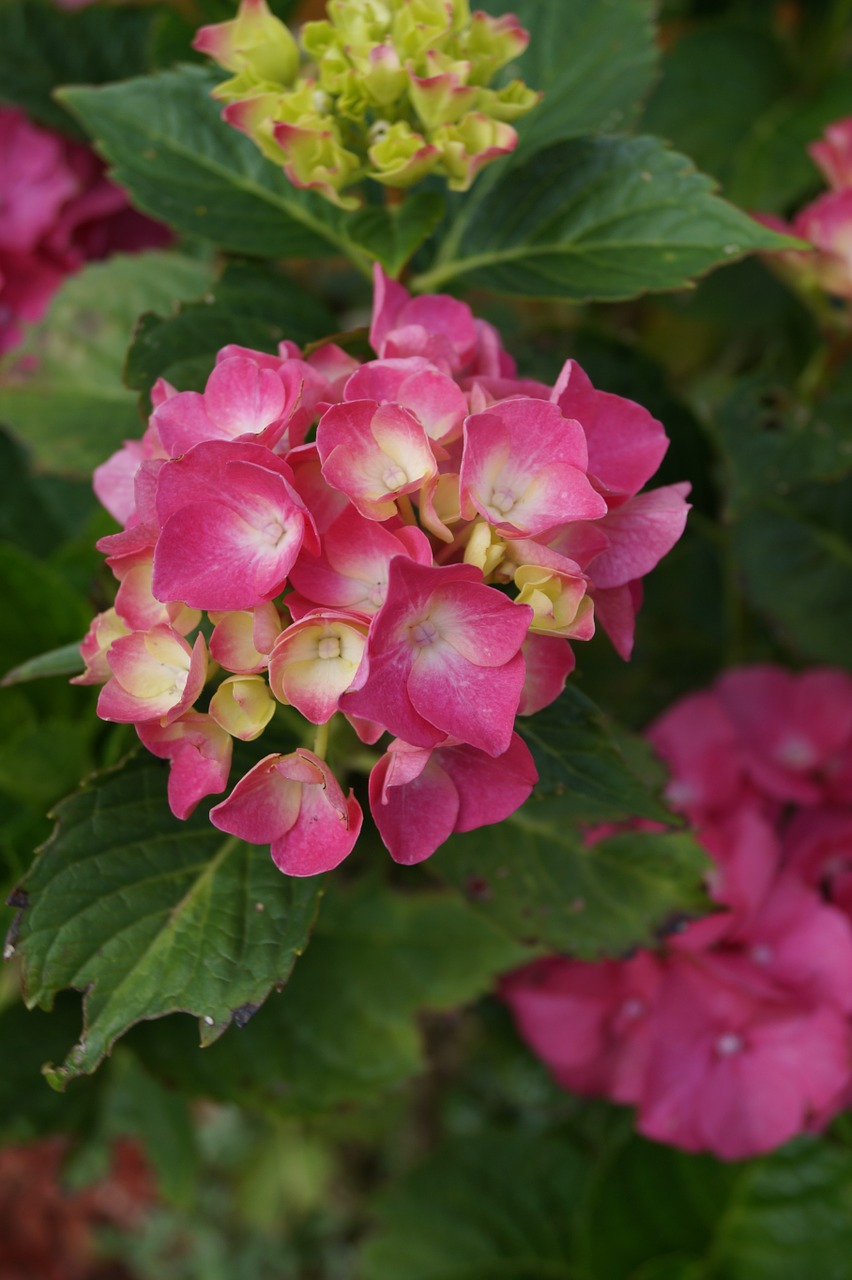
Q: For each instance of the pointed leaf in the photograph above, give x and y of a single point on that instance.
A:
(535, 877)
(601, 772)
(149, 915)
(605, 218)
(344, 1028)
(182, 163)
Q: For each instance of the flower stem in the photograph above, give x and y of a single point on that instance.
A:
(405, 509)
(321, 740)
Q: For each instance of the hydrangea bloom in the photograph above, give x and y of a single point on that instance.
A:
(417, 570)
(827, 221)
(392, 91)
(58, 211)
(737, 1035)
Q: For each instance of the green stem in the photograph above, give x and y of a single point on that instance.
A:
(321, 740)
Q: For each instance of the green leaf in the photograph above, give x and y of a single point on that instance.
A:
(46, 610)
(73, 411)
(601, 772)
(344, 1028)
(149, 916)
(41, 46)
(605, 218)
(64, 661)
(796, 563)
(790, 507)
(253, 305)
(169, 147)
(593, 60)
(753, 68)
(535, 877)
(391, 236)
(780, 1217)
(774, 171)
(493, 1204)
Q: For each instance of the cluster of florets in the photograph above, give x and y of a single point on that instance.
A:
(57, 211)
(447, 532)
(392, 90)
(827, 221)
(736, 1036)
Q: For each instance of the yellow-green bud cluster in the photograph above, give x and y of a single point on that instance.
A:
(391, 90)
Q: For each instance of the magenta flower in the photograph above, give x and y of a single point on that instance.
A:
(420, 796)
(155, 676)
(232, 526)
(294, 804)
(435, 326)
(374, 454)
(444, 659)
(199, 754)
(523, 469)
(832, 154)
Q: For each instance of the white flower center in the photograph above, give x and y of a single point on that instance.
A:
(329, 647)
(728, 1044)
(424, 633)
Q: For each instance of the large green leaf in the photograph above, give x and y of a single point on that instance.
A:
(781, 1217)
(344, 1028)
(42, 46)
(253, 305)
(72, 410)
(495, 1204)
(592, 59)
(601, 773)
(605, 218)
(754, 70)
(535, 876)
(169, 147)
(149, 916)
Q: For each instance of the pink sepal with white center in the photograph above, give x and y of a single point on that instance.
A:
(155, 676)
(444, 659)
(523, 469)
(232, 526)
(374, 453)
(436, 401)
(295, 804)
(241, 400)
(200, 755)
(316, 660)
(352, 570)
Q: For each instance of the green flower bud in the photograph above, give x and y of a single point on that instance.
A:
(254, 41)
(419, 25)
(441, 99)
(317, 159)
(471, 144)
(489, 43)
(401, 157)
(509, 103)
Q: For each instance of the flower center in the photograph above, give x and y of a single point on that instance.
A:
(394, 477)
(728, 1044)
(503, 501)
(329, 647)
(424, 633)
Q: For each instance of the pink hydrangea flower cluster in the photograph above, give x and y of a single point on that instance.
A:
(58, 210)
(410, 542)
(827, 221)
(736, 1036)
